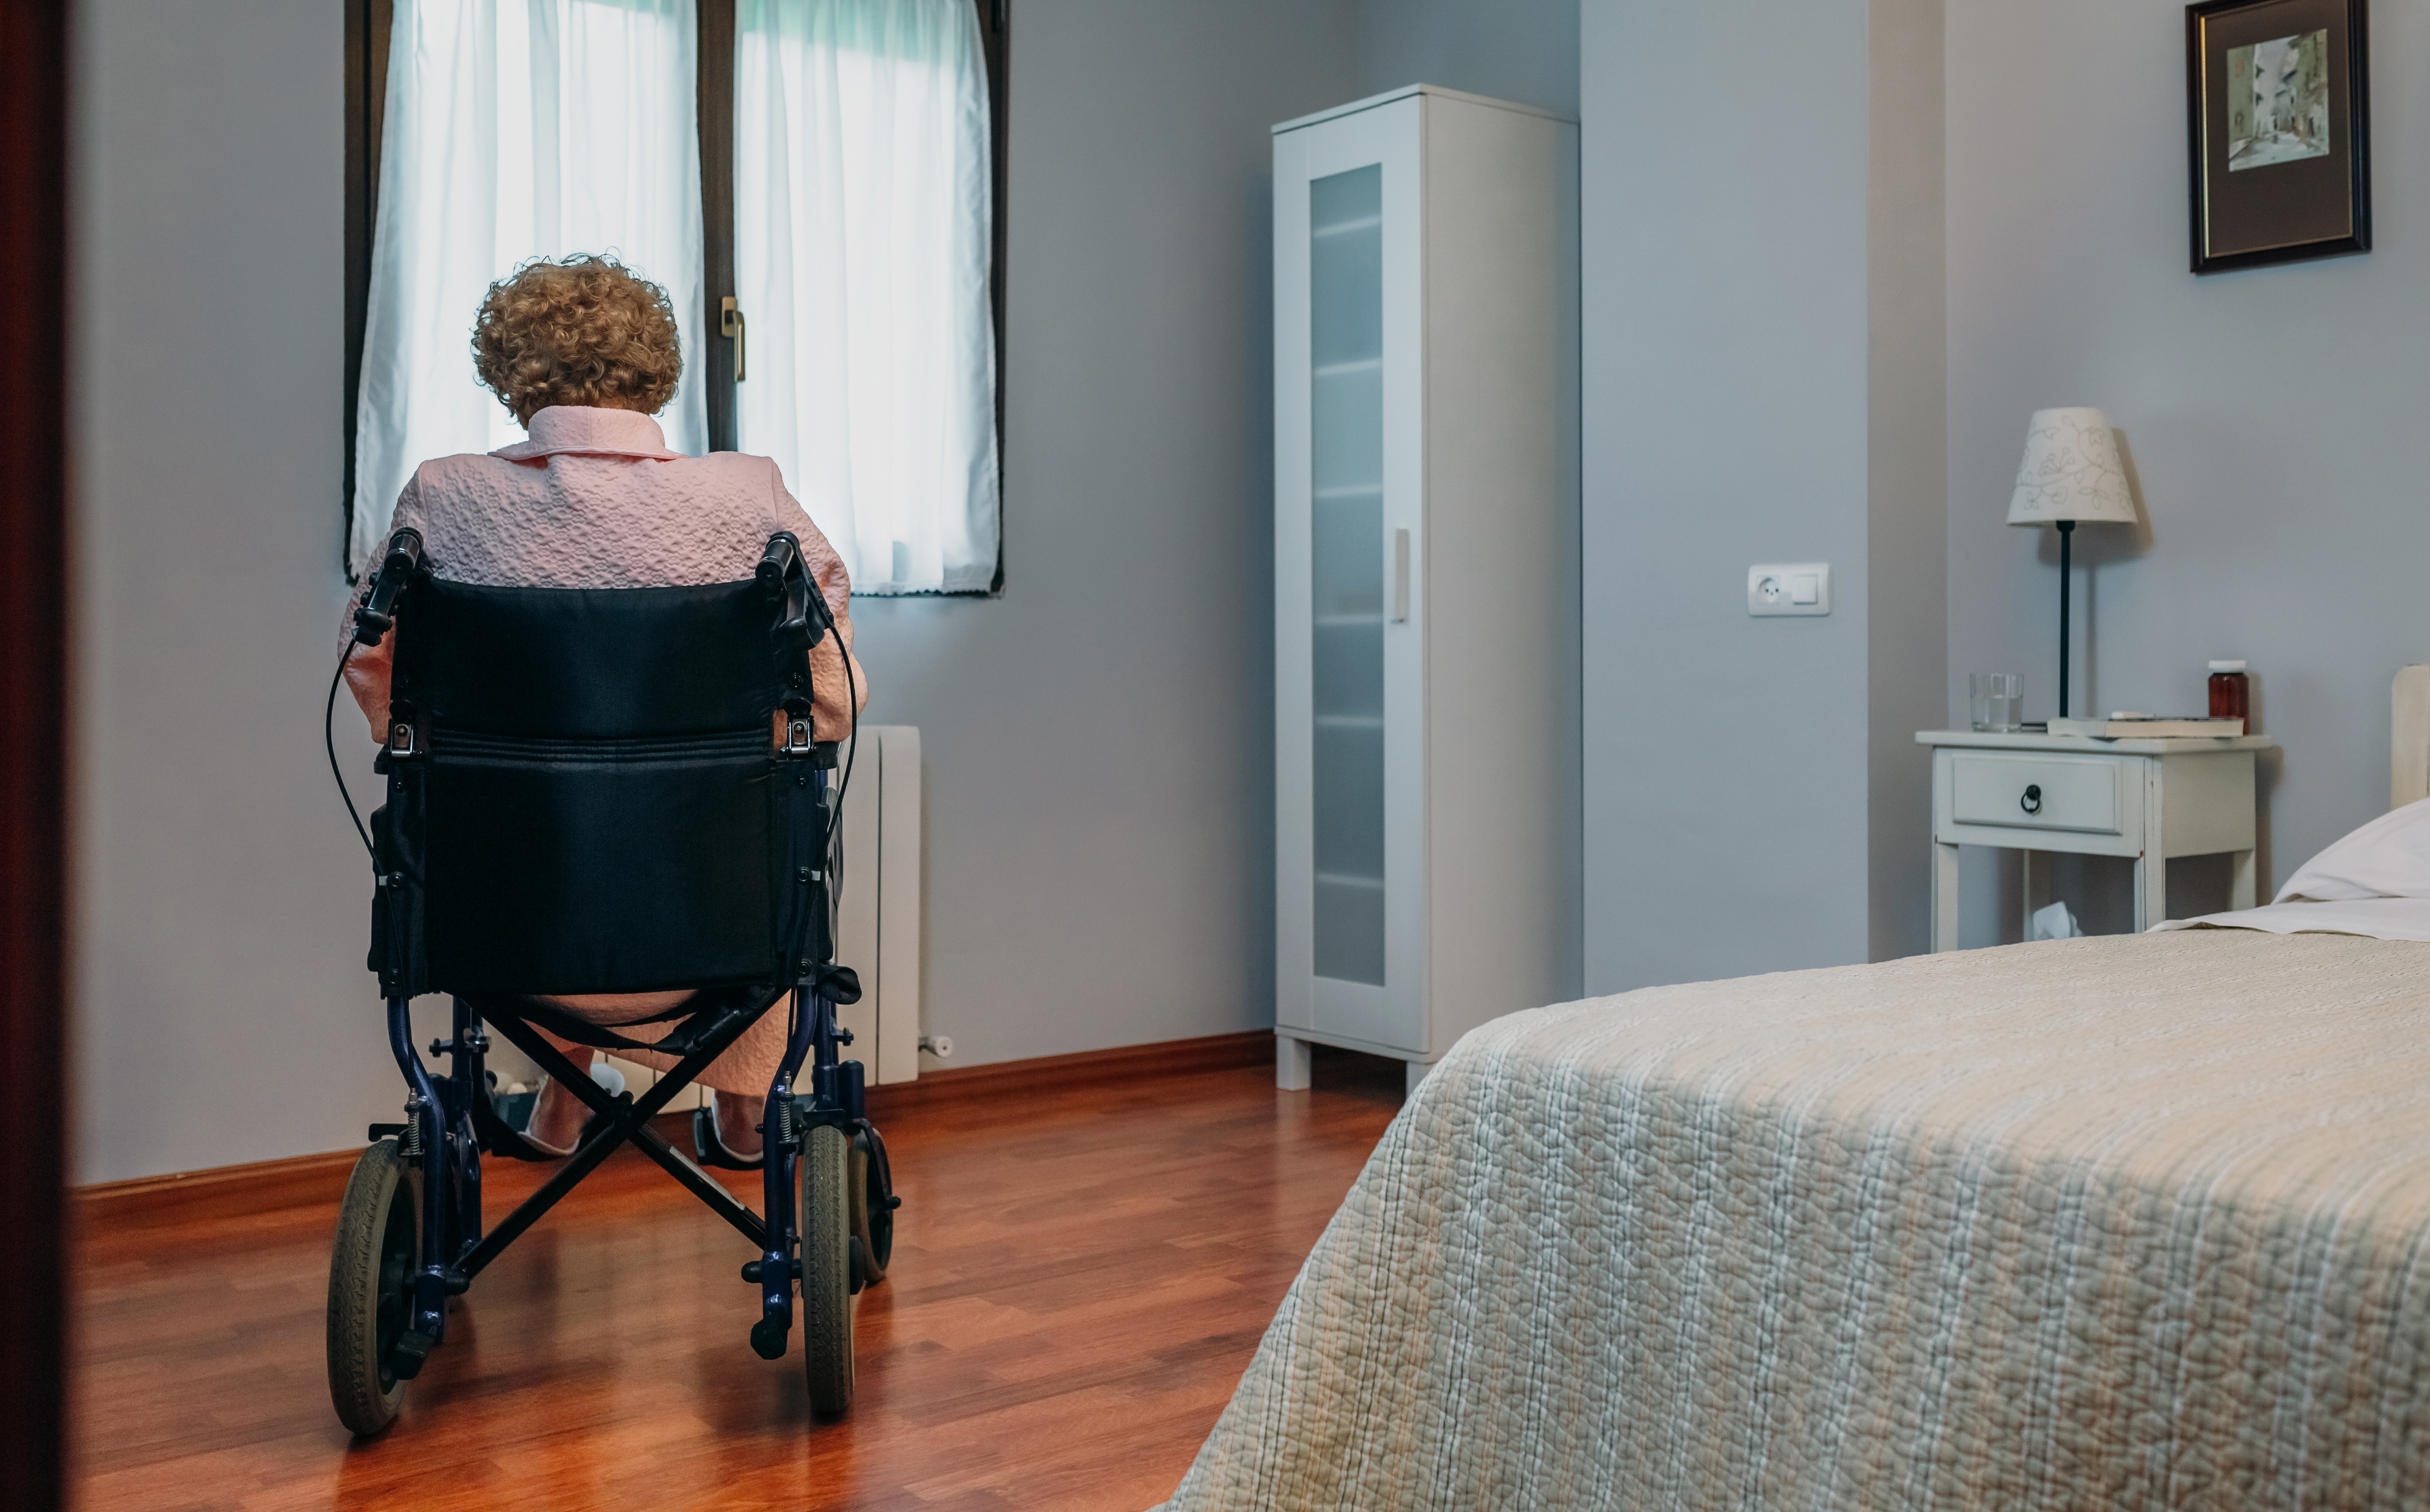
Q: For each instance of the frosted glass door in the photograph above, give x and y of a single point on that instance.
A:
(1347, 567)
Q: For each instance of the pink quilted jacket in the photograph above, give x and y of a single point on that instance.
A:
(595, 500)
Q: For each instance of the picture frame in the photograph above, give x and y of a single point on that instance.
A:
(2278, 131)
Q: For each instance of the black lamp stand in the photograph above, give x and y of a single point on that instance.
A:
(2066, 535)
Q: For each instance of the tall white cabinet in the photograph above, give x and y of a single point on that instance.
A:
(1425, 567)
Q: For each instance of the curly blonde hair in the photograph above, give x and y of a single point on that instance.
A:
(581, 330)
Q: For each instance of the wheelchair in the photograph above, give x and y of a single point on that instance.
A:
(585, 793)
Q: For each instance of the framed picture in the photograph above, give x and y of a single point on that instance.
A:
(2276, 104)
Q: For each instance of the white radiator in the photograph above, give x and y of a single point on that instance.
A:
(877, 928)
(877, 931)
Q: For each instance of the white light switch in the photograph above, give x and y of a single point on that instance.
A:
(1789, 588)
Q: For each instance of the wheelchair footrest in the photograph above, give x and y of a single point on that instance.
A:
(767, 1338)
(753, 1270)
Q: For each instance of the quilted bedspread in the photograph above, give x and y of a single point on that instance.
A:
(2127, 1221)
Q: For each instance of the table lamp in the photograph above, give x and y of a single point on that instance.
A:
(2071, 473)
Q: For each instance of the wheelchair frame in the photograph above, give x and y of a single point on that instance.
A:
(447, 1115)
(441, 1118)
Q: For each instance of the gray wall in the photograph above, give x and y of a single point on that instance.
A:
(220, 895)
(1522, 50)
(1763, 334)
(1831, 350)
(1098, 740)
(1098, 743)
(2275, 417)
(1725, 396)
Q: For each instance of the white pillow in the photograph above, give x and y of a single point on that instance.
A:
(2388, 858)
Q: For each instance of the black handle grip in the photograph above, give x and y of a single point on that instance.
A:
(2031, 802)
(782, 572)
(781, 559)
(378, 610)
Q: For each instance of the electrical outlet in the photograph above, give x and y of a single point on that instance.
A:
(1789, 588)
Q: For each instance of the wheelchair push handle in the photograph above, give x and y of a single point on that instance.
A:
(783, 573)
(782, 558)
(377, 613)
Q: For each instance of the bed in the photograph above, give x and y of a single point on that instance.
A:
(2100, 1223)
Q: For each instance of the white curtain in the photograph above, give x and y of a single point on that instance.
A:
(515, 129)
(861, 225)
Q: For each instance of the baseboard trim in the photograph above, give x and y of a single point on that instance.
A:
(231, 1191)
(1087, 1067)
(319, 1180)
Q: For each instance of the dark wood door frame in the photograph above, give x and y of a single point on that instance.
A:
(33, 741)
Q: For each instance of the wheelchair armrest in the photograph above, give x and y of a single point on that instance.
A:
(838, 984)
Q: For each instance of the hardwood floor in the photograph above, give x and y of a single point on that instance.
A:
(1079, 1278)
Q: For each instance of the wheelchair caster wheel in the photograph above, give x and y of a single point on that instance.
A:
(370, 1290)
(826, 1266)
(767, 1338)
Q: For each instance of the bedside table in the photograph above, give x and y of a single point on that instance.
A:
(2149, 799)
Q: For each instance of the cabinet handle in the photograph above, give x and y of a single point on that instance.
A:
(2031, 802)
(1399, 575)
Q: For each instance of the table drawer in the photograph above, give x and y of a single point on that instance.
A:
(2036, 792)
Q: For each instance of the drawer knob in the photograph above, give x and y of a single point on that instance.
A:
(2031, 802)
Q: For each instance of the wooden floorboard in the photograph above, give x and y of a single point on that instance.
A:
(1081, 1276)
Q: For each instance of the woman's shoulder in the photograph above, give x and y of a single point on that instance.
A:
(742, 464)
(751, 462)
(438, 474)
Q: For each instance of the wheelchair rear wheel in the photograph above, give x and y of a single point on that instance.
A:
(826, 1266)
(873, 1217)
(371, 1287)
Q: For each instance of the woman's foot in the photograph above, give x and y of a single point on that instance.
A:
(558, 1116)
(558, 1119)
(726, 1135)
(737, 1124)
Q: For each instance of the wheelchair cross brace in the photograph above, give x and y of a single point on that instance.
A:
(624, 1122)
(442, 1132)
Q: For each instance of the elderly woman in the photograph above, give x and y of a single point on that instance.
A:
(584, 353)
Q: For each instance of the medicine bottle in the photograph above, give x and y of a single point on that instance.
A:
(2231, 693)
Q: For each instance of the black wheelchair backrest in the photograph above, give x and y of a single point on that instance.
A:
(585, 793)
(592, 663)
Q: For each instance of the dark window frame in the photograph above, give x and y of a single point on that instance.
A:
(368, 26)
(995, 43)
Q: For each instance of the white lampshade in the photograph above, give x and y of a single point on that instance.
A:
(2070, 472)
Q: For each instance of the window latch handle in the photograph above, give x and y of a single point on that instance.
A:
(729, 324)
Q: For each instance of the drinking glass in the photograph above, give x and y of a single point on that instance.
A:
(1997, 701)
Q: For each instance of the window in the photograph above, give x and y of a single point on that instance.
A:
(835, 166)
